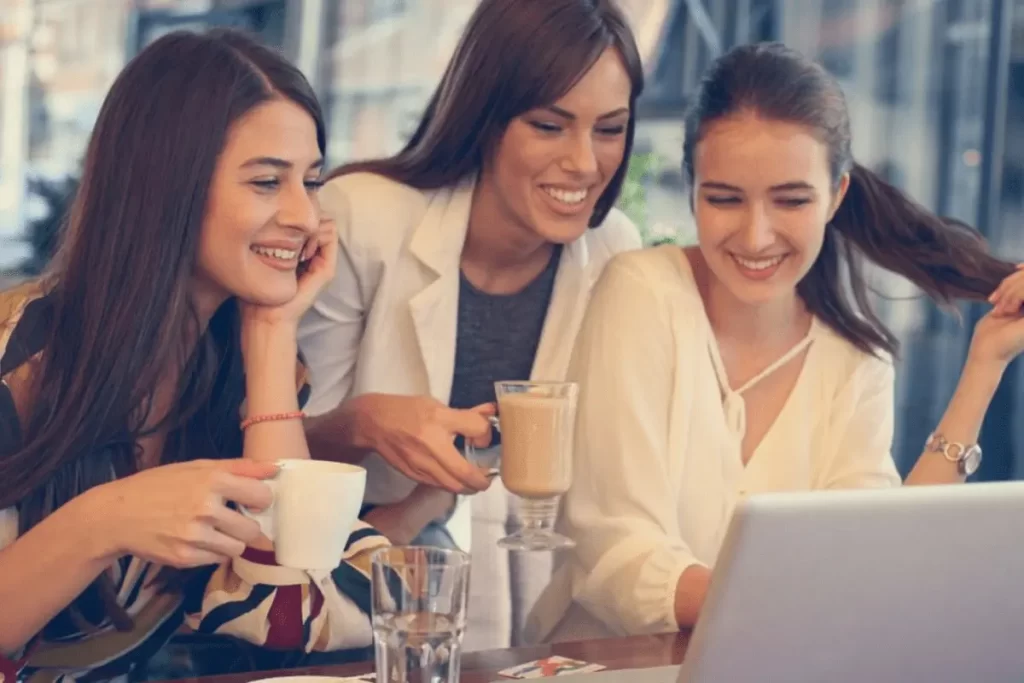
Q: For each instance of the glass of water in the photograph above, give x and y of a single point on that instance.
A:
(419, 613)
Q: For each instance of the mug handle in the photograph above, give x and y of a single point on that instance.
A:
(472, 455)
(264, 518)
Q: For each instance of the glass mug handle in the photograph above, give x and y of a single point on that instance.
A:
(474, 457)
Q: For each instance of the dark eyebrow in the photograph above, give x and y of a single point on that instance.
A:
(572, 117)
(793, 185)
(282, 164)
(715, 185)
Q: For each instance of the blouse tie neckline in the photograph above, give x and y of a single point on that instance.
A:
(732, 399)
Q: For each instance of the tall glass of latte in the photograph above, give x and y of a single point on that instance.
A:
(537, 421)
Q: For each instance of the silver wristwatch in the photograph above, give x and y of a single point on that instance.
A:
(967, 458)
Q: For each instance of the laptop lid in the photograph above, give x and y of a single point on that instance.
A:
(919, 584)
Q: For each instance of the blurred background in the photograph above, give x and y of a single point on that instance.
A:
(936, 89)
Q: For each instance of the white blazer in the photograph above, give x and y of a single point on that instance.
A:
(387, 322)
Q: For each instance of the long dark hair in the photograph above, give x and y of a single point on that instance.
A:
(943, 256)
(514, 56)
(118, 302)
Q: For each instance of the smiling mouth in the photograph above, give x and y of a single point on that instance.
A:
(567, 197)
(759, 263)
(276, 253)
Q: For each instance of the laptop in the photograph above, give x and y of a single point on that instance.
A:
(913, 585)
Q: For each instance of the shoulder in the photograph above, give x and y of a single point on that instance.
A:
(646, 282)
(661, 271)
(25, 314)
(616, 234)
(14, 300)
(375, 216)
(353, 198)
(367, 187)
(633, 326)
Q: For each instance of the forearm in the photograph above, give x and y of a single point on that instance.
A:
(334, 436)
(270, 353)
(402, 522)
(961, 423)
(43, 571)
(691, 590)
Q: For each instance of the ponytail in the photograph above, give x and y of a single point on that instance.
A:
(945, 257)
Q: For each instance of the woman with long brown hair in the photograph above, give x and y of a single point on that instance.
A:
(194, 245)
(468, 256)
(754, 362)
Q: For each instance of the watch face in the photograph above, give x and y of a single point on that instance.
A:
(971, 461)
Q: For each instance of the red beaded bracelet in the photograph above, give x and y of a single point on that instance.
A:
(273, 417)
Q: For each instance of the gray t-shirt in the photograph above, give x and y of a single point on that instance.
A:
(497, 336)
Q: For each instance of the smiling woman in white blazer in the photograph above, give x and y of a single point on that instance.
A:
(388, 323)
(474, 246)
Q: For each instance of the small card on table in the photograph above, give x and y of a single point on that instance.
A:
(551, 666)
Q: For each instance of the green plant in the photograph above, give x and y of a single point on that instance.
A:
(633, 199)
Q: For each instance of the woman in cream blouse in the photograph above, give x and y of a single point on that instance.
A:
(742, 365)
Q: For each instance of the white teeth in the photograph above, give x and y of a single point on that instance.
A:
(566, 196)
(758, 264)
(283, 254)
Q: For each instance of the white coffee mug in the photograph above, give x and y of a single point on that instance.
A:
(316, 504)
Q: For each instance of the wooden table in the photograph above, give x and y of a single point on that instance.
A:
(635, 652)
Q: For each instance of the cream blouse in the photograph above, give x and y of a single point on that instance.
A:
(657, 465)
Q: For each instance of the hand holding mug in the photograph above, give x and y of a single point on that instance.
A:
(314, 508)
(178, 515)
(416, 434)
